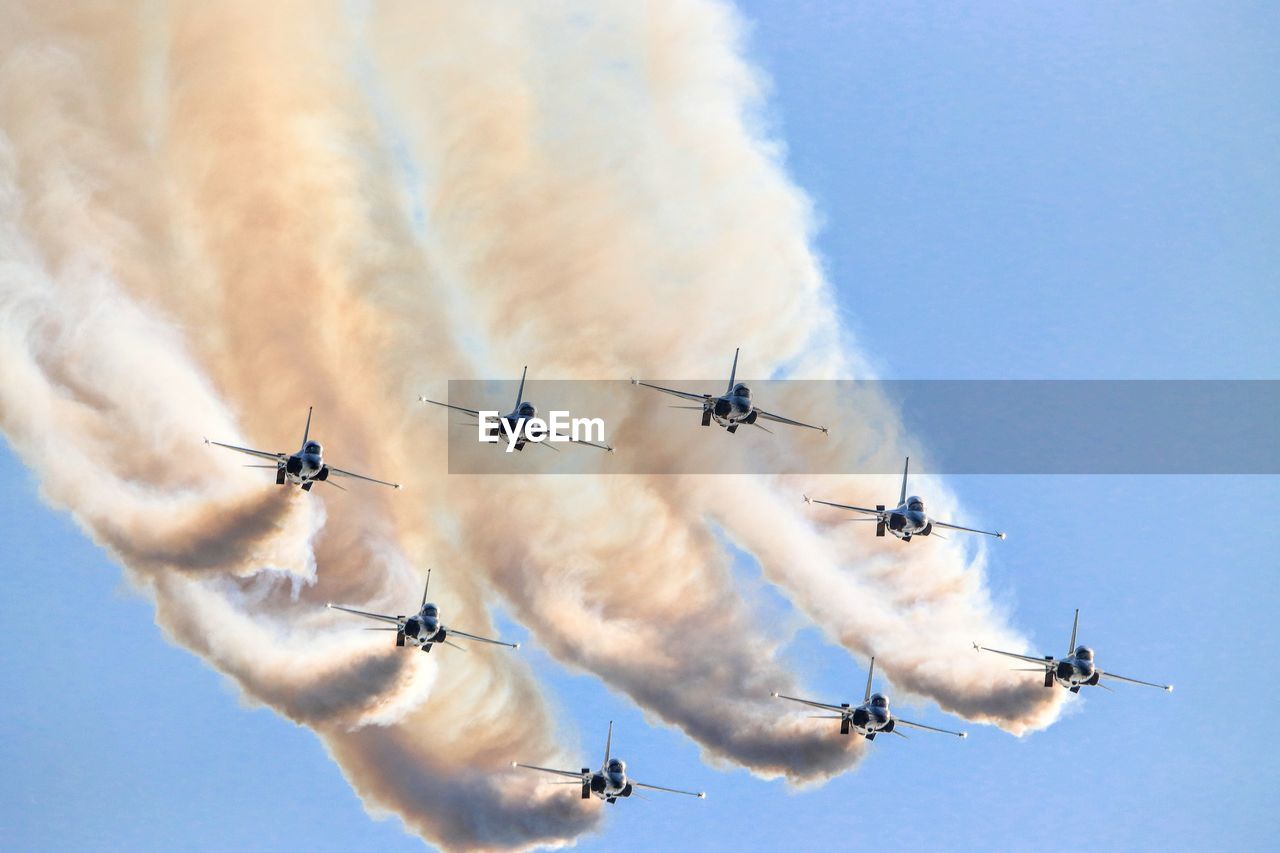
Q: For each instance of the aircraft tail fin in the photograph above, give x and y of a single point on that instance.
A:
(866, 697)
(1071, 649)
(425, 588)
(306, 431)
(520, 391)
(733, 371)
(608, 743)
(902, 498)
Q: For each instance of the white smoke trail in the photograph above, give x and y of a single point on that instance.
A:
(205, 229)
(110, 372)
(660, 257)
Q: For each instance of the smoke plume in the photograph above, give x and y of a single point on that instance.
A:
(214, 215)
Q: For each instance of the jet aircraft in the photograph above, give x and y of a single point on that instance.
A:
(424, 629)
(1074, 671)
(608, 783)
(304, 468)
(905, 520)
(731, 409)
(869, 719)
(516, 420)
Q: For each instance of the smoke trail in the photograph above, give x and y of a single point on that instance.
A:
(660, 257)
(215, 215)
(112, 372)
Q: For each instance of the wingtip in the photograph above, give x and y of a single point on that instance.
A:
(964, 735)
(825, 431)
(702, 795)
(1001, 536)
(515, 764)
(807, 499)
(976, 647)
(1168, 688)
(206, 439)
(397, 485)
(515, 645)
(774, 694)
(329, 604)
(635, 381)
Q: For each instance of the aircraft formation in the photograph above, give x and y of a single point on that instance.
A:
(734, 408)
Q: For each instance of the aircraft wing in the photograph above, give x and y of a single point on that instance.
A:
(810, 500)
(1168, 688)
(1046, 663)
(379, 616)
(967, 529)
(573, 774)
(603, 447)
(673, 392)
(547, 442)
(812, 704)
(769, 416)
(473, 412)
(454, 632)
(699, 794)
(342, 473)
(903, 722)
(261, 454)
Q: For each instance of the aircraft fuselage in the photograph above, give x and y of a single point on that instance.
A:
(424, 628)
(1074, 673)
(513, 423)
(609, 785)
(869, 720)
(304, 467)
(905, 523)
(731, 410)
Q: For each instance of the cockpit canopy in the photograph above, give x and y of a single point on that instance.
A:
(915, 504)
(741, 390)
(312, 448)
(430, 611)
(527, 410)
(1084, 653)
(616, 765)
(878, 700)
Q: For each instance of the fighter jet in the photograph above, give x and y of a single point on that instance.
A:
(610, 781)
(731, 409)
(513, 423)
(905, 520)
(423, 629)
(870, 718)
(304, 468)
(1074, 671)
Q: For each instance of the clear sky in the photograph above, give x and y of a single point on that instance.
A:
(1033, 190)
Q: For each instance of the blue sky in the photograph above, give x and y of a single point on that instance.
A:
(1029, 191)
